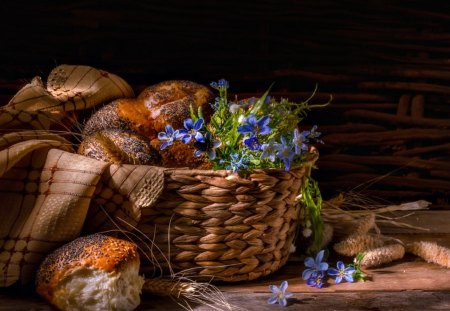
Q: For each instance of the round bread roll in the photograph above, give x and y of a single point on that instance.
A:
(161, 104)
(96, 272)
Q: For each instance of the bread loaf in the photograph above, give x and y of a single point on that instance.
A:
(96, 272)
(164, 103)
(119, 146)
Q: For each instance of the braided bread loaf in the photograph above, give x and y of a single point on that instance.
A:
(125, 131)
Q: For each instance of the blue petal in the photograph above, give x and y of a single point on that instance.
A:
(180, 133)
(274, 289)
(199, 137)
(197, 153)
(307, 274)
(188, 124)
(198, 124)
(186, 139)
(169, 129)
(272, 300)
(348, 278)
(309, 262)
(287, 164)
(319, 257)
(310, 282)
(251, 120)
(265, 130)
(284, 286)
(338, 279)
(350, 270)
(283, 302)
(164, 145)
(162, 136)
(323, 266)
(211, 154)
(287, 295)
(244, 129)
(216, 144)
(340, 265)
(333, 272)
(283, 140)
(263, 121)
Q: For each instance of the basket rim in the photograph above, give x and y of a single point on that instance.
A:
(313, 156)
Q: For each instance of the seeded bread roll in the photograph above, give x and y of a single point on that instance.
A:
(157, 106)
(96, 272)
(118, 146)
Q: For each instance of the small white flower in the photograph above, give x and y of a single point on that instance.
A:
(307, 232)
(234, 108)
(241, 119)
(292, 249)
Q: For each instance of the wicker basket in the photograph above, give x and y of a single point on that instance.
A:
(215, 223)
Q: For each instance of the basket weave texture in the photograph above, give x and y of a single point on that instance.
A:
(220, 224)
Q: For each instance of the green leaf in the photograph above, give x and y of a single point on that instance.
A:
(260, 101)
(192, 113)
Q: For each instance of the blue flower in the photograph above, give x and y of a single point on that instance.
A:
(207, 145)
(168, 136)
(222, 84)
(267, 100)
(254, 126)
(316, 279)
(280, 294)
(191, 130)
(237, 163)
(268, 150)
(216, 104)
(313, 134)
(314, 265)
(300, 141)
(252, 143)
(285, 153)
(342, 272)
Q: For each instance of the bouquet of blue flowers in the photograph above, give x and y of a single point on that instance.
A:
(247, 134)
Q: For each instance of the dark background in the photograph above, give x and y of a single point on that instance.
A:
(368, 55)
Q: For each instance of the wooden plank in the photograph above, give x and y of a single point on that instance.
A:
(406, 275)
(435, 221)
(348, 301)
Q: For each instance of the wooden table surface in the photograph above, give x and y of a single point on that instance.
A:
(407, 284)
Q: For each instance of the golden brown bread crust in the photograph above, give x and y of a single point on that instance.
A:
(158, 105)
(169, 101)
(97, 251)
(119, 146)
(181, 155)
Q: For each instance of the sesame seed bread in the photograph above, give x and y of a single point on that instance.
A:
(95, 272)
